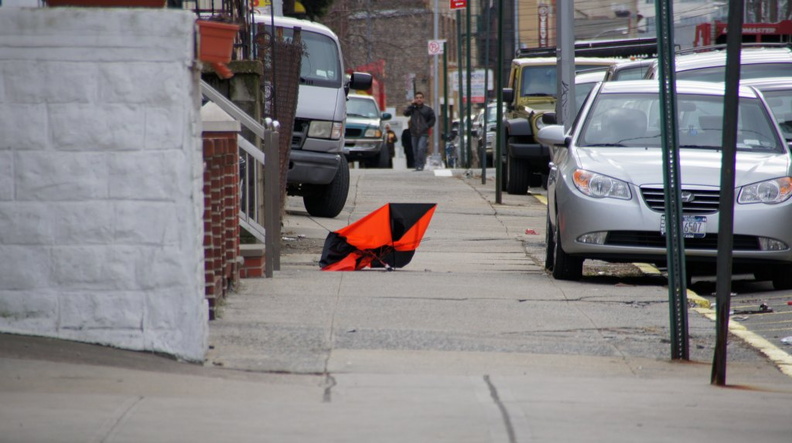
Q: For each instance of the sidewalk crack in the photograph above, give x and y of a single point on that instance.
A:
(504, 413)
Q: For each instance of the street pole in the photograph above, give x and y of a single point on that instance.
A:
(565, 54)
(469, 104)
(435, 86)
(445, 89)
(499, 123)
(460, 105)
(483, 147)
(675, 246)
(726, 206)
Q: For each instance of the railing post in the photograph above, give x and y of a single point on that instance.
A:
(272, 194)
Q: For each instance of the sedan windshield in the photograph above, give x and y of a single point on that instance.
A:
(633, 120)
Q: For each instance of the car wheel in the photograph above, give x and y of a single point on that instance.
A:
(565, 267)
(518, 175)
(329, 200)
(384, 157)
(782, 278)
(550, 248)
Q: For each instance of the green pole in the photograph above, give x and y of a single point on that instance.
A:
(677, 281)
(726, 207)
(483, 148)
(498, 73)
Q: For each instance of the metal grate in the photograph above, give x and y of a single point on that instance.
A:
(353, 132)
(694, 201)
(651, 239)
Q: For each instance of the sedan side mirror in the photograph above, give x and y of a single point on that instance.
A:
(553, 135)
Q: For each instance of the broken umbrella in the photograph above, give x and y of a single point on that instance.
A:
(386, 238)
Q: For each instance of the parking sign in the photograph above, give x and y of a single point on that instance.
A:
(436, 47)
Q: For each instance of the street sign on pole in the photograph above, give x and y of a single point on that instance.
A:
(436, 47)
(458, 4)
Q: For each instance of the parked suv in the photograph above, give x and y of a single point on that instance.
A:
(531, 92)
(363, 136)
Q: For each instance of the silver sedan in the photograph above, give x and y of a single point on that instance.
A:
(605, 188)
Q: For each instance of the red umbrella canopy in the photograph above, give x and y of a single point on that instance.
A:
(387, 237)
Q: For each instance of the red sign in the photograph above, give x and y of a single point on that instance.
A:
(458, 4)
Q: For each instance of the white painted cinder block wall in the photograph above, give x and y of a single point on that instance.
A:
(101, 202)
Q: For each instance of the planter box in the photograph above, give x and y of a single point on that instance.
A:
(216, 41)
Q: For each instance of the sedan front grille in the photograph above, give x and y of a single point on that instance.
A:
(694, 201)
(650, 239)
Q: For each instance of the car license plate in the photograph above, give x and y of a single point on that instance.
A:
(693, 226)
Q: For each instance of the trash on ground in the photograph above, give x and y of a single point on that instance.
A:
(763, 309)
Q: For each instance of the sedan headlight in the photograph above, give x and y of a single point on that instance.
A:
(373, 133)
(770, 192)
(600, 186)
(325, 129)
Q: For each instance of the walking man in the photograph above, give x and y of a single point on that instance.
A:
(422, 119)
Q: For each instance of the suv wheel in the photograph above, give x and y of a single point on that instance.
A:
(518, 176)
(328, 200)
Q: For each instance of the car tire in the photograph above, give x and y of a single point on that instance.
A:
(565, 267)
(518, 175)
(384, 157)
(329, 199)
(550, 244)
(782, 278)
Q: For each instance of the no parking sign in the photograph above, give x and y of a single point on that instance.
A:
(436, 47)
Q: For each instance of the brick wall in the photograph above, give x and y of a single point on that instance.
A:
(221, 209)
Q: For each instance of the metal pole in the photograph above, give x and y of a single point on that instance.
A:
(460, 105)
(445, 89)
(677, 281)
(435, 86)
(499, 123)
(469, 104)
(483, 147)
(726, 206)
(565, 54)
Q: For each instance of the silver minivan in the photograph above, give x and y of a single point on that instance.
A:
(318, 170)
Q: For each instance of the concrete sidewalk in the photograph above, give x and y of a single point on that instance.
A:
(471, 342)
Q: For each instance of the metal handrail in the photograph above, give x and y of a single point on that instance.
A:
(259, 210)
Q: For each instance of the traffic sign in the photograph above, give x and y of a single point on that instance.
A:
(436, 47)
(458, 4)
